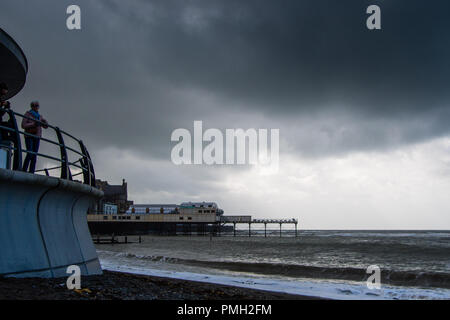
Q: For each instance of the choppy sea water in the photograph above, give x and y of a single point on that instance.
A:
(414, 264)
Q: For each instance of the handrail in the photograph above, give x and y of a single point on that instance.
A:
(85, 162)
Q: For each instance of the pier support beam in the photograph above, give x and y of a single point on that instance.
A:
(234, 229)
(280, 229)
(249, 229)
(265, 230)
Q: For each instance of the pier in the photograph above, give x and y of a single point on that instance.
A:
(173, 224)
(248, 220)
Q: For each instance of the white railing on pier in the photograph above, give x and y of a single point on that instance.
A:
(295, 221)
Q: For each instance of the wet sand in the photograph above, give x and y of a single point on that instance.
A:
(124, 286)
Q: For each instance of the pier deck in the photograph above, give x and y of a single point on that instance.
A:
(140, 223)
(248, 220)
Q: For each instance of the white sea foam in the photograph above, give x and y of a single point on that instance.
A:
(316, 288)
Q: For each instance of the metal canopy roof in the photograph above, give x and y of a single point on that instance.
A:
(13, 64)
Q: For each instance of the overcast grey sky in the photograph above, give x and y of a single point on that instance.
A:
(363, 115)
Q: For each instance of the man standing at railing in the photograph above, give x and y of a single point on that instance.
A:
(33, 124)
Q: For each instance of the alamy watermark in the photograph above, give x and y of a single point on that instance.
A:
(73, 21)
(373, 282)
(373, 22)
(74, 280)
(235, 146)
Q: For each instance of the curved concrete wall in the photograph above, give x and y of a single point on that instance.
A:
(43, 227)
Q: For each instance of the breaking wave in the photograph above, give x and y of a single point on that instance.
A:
(399, 278)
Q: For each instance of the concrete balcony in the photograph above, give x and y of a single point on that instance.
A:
(43, 227)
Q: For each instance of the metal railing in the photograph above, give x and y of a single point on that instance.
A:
(14, 144)
(295, 221)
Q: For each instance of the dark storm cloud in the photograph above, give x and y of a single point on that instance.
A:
(301, 55)
(139, 69)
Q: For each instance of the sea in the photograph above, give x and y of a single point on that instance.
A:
(320, 263)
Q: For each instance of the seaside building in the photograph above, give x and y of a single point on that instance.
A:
(156, 218)
(115, 214)
(184, 207)
(153, 209)
(115, 196)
